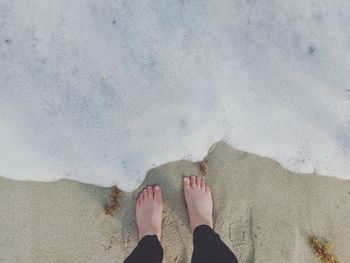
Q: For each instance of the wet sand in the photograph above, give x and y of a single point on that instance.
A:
(262, 211)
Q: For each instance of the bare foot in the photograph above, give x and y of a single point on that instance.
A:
(149, 208)
(199, 202)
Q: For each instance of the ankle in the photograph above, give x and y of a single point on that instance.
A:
(203, 221)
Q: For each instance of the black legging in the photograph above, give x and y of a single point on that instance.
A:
(207, 248)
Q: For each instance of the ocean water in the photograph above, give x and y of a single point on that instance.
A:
(102, 91)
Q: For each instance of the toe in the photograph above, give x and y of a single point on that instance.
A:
(145, 194)
(141, 197)
(186, 181)
(198, 181)
(138, 200)
(203, 184)
(158, 193)
(150, 192)
(193, 181)
(207, 188)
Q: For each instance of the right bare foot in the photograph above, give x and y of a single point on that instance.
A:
(199, 202)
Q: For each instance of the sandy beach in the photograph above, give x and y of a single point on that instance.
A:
(262, 211)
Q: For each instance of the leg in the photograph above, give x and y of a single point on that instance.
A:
(208, 246)
(149, 207)
(148, 249)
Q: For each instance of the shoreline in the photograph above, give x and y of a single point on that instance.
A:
(263, 212)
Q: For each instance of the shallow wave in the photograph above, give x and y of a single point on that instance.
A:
(102, 92)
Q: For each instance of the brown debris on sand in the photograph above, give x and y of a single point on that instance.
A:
(323, 250)
(203, 167)
(114, 201)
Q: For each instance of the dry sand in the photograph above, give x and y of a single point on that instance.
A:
(262, 211)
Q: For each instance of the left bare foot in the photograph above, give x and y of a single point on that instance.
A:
(149, 208)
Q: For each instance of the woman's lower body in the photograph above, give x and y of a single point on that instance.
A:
(207, 245)
(207, 248)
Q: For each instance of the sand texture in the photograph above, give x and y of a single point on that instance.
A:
(262, 211)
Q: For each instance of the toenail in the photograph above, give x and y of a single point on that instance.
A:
(156, 187)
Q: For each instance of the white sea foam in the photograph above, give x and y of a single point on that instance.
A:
(102, 91)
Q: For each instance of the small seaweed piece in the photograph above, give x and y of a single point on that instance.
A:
(323, 250)
(203, 167)
(114, 201)
(107, 247)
